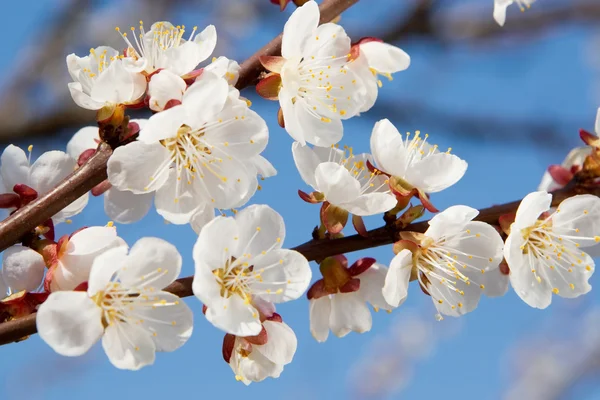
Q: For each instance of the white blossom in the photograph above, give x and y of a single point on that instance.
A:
(412, 163)
(164, 47)
(202, 151)
(500, 7)
(76, 255)
(344, 179)
(316, 90)
(104, 78)
(549, 253)
(124, 305)
(119, 205)
(253, 362)
(375, 58)
(42, 176)
(455, 261)
(22, 269)
(238, 258)
(343, 313)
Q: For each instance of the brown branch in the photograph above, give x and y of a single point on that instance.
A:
(94, 171)
(15, 330)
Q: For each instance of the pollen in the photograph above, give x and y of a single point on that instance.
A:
(555, 290)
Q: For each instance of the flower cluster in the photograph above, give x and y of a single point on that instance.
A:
(201, 150)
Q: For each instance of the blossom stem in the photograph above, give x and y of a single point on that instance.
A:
(15, 330)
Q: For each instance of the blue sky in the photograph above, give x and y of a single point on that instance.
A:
(538, 79)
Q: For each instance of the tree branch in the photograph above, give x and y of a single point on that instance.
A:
(94, 171)
(14, 330)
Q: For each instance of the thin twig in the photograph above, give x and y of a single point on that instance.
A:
(12, 331)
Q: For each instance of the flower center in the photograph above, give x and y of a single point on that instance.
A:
(370, 181)
(233, 279)
(152, 45)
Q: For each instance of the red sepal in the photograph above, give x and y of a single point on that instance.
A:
(359, 225)
(361, 265)
(351, 286)
(259, 339)
(228, 343)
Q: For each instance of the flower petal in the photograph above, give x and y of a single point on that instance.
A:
(384, 58)
(163, 87)
(395, 288)
(235, 317)
(82, 99)
(298, 29)
(261, 229)
(206, 41)
(118, 85)
(437, 172)
(536, 293)
(176, 201)
(387, 147)
(126, 207)
(69, 322)
(139, 167)
(204, 99)
(306, 162)
(450, 221)
(284, 275)
(152, 262)
(500, 7)
(203, 215)
(530, 209)
(330, 40)
(162, 125)
(370, 204)
(104, 268)
(14, 167)
(319, 312)
(216, 238)
(336, 183)
(49, 169)
(579, 218)
(315, 129)
(372, 282)
(128, 346)
(22, 269)
(349, 312)
(281, 345)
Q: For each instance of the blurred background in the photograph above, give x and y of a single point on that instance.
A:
(510, 101)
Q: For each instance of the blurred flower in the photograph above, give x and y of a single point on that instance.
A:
(415, 167)
(22, 269)
(22, 182)
(372, 57)
(163, 47)
(203, 151)
(455, 260)
(339, 300)
(343, 181)
(70, 260)
(500, 7)
(123, 305)
(544, 252)
(104, 78)
(240, 258)
(258, 357)
(315, 90)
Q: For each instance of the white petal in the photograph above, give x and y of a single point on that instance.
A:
(263, 166)
(285, 275)
(395, 289)
(319, 312)
(437, 172)
(336, 183)
(330, 40)
(22, 269)
(49, 169)
(315, 130)
(533, 292)
(456, 300)
(128, 346)
(370, 204)
(216, 238)
(204, 99)
(531, 207)
(176, 201)
(371, 286)
(118, 85)
(306, 162)
(82, 99)
(235, 316)
(225, 68)
(260, 229)
(163, 87)
(69, 322)
(579, 218)
(152, 262)
(14, 167)
(104, 268)
(281, 343)
(349, 312)
(500, 10)
(206, 41)
(126, 207)
(168, 319)
(450, 221)
(384, 57)
(568, 276)
(388, 148)
(162, 125)
(203, 215)
(288, 108)
(72, 209)
(298, 29)
(183, 59)
(254, 367)
(139, 167)
(84, 139)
